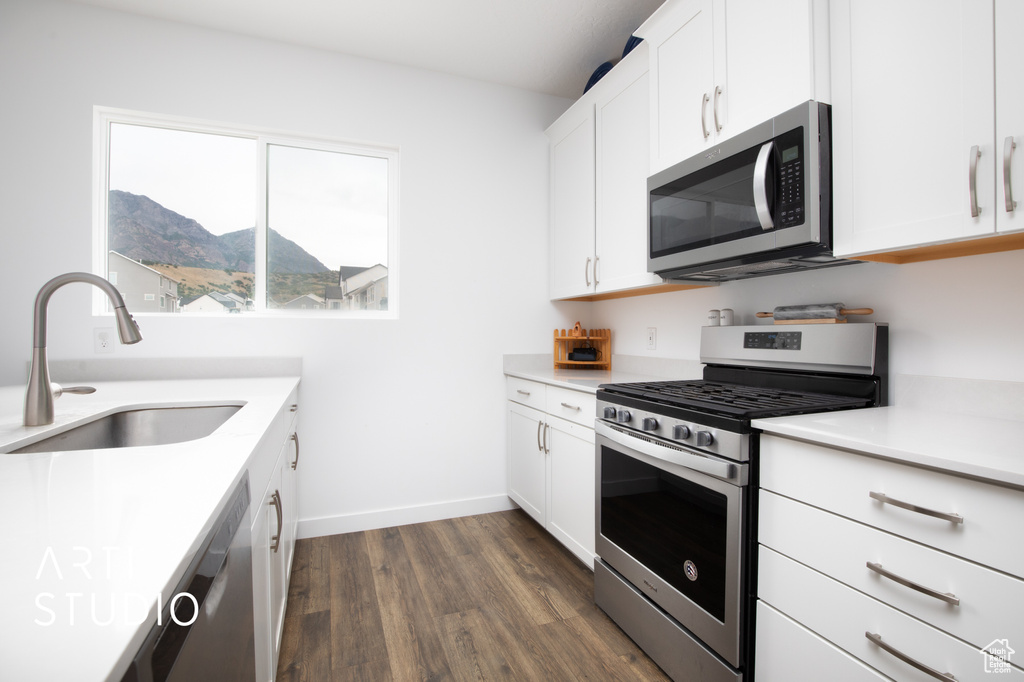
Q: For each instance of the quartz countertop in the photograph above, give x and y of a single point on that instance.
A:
(95, 539)
(985, 448)
(625, 369)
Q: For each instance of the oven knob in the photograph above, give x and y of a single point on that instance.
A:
(649, 424)
(624, 416)
(609, 413)
(680, 431)
(704, 438)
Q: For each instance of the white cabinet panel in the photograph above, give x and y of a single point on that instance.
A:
(572, 203)
(1009, 18)
(527, 462)
(572, 504)
(527, 392)
(787, 651)
(575, 406)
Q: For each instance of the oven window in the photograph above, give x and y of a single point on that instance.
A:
(669, 525)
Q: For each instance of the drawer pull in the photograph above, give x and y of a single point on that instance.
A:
(942, 596)
(522, 392)
(571, 407)
(877, 639)
(945, 516)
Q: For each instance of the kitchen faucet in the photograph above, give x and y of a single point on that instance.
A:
(40, 393)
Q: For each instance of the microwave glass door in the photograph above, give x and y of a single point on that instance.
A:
(717, 204)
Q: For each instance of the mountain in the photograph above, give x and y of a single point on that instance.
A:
(142, 229)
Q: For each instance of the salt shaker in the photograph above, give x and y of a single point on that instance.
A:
(726, 317)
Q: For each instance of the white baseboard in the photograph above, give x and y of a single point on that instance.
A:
(386, 518)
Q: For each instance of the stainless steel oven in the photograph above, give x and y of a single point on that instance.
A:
(671, 521)
(677, 476)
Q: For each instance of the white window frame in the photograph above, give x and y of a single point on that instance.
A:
(104, 117)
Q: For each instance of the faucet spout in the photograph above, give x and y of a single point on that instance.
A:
(39, 394)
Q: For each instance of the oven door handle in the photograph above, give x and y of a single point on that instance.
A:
(726, 471)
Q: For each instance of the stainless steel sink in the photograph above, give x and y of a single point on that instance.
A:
(137, 427)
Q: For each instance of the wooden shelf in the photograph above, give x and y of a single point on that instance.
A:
(566, 342)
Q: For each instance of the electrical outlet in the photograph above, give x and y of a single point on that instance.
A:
(652, 338)
(103, 340)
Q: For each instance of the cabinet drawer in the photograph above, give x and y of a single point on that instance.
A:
(841, 482)
(575, 406)
(526, 392)
(780, 637)
(844, 616)
(990, 603)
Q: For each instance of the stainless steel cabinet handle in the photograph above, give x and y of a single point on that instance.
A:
(943, 596)
(764, 211)
(1008, 146)
(718, 93)
(945, 516)
(540, 425)
(877, 639)
(571, 407)
(295, 437)
(293, 408)
(597, 261)
(275, 500)
(586, 271)
(972, 181)
(704, 115)
(522, 392)
(547, 450)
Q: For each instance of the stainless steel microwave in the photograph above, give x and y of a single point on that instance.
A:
(759, 203)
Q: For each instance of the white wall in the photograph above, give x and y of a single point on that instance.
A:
(962, 317)
(395, 414)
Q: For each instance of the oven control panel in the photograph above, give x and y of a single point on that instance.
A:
(676, 431)
(775, 340)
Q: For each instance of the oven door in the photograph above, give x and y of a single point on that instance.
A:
(670, 521)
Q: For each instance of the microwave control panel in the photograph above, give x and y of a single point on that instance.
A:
(790, 178)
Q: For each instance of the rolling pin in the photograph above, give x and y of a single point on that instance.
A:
(815, 311)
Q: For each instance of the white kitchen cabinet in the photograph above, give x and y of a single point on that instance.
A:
(274, 523)
(599, 169)
(920, 122)
(720, 67)
(551, 465)
(880, 557)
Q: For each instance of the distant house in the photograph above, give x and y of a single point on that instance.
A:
(143, 289)
(364, 289)
(216, 302)
(305, 302)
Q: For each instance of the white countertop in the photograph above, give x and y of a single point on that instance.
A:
(93, 538)
(982, 447)
(625, 369)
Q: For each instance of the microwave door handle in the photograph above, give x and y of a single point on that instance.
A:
(764, 211)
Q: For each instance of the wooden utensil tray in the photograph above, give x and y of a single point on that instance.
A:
(566, 342)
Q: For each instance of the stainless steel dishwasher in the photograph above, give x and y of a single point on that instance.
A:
(210, 634)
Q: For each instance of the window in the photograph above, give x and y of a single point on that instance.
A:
(238, 220)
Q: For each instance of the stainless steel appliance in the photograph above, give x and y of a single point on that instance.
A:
(759, 203)
(215, 641)
(677, 473)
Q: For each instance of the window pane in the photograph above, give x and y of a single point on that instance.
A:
(182, 205)
(327, 225)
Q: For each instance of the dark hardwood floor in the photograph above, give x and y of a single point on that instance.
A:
(488, 597)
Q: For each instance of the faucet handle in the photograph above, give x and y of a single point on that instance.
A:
(59, 390)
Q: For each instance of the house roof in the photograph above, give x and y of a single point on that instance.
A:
(138, 264)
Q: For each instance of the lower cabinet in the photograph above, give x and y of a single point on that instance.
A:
(274, 523)
(909, 571)
(551, 464)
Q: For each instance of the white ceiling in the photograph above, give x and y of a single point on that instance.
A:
(549, 46)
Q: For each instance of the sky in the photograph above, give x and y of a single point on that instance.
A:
(331, 204)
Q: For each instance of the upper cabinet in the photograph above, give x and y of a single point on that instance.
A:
(599, 169)
(719, 67)
(926, 125)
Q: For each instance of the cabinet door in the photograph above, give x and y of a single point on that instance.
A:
(623, 162)
(278, 573)
(290, 501)
(527, 462)
(1009, 17)
(769, 60)
(908, 107)
(572, 202)
(683, 85)
(571, 515)
(266, 660)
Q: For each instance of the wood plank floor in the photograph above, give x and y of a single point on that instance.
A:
(488, 597)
